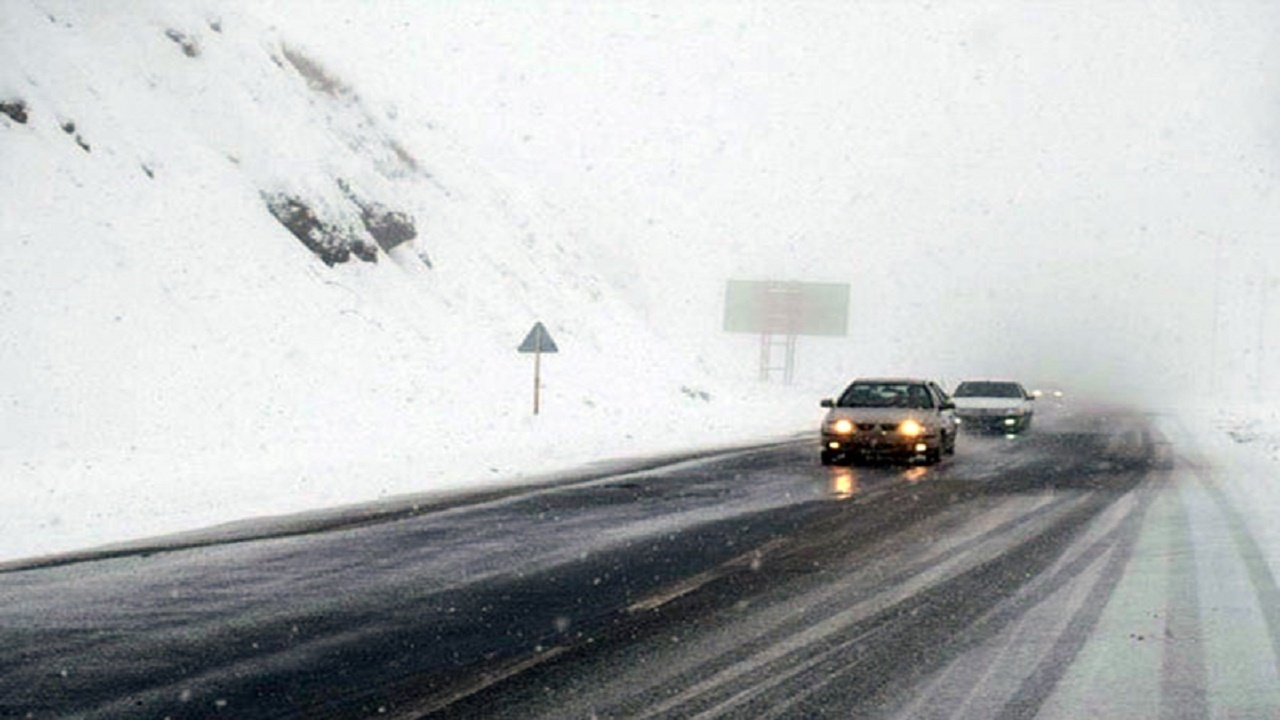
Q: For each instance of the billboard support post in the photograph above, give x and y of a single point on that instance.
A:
(780, 312)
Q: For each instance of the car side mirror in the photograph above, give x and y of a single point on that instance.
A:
(1030, 396)
(948, 405)
(827, 403)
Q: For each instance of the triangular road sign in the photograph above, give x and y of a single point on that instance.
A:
(538, 340)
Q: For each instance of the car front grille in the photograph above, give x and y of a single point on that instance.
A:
(885, 427)
(988, 412)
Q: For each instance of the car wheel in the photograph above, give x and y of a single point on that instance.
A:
(949, 444)
(828, 458)
(933, 455)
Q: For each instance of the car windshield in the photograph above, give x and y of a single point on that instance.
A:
(886, 395)
(989, 389)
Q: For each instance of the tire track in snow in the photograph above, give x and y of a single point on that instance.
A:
(1184, 679)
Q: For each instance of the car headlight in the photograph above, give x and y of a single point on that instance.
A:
(910, 428)
(842, 427)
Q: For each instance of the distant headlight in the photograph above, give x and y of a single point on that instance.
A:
(842, 427)
(910, 428)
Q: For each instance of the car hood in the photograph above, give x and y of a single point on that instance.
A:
(879, 415)
(989, 403)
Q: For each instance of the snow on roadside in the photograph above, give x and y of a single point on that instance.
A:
(1256, 427)
(174, 358)
(1236, 451)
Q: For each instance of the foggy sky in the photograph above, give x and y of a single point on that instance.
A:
(1011, 188)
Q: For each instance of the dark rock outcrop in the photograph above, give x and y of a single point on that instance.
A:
(16, 110)
(331, 244)
(316, 76)
(189, 46)
(388, 227)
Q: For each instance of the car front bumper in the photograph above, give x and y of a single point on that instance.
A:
(1002, 422)
(876, 444)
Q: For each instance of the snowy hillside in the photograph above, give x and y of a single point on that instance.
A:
(233, 285)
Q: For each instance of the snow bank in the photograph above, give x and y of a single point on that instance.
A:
(176, 357)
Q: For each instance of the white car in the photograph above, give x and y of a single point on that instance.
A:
(902, 418)
(993, 406)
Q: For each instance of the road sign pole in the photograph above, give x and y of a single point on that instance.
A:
(537, 378)
(537, 342)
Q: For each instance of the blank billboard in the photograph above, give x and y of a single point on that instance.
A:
(786, 308)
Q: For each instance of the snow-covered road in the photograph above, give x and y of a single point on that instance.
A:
(1109, 564)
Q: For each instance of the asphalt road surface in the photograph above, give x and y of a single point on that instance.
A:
(755, 583)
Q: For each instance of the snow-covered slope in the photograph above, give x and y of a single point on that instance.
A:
(174, 354)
